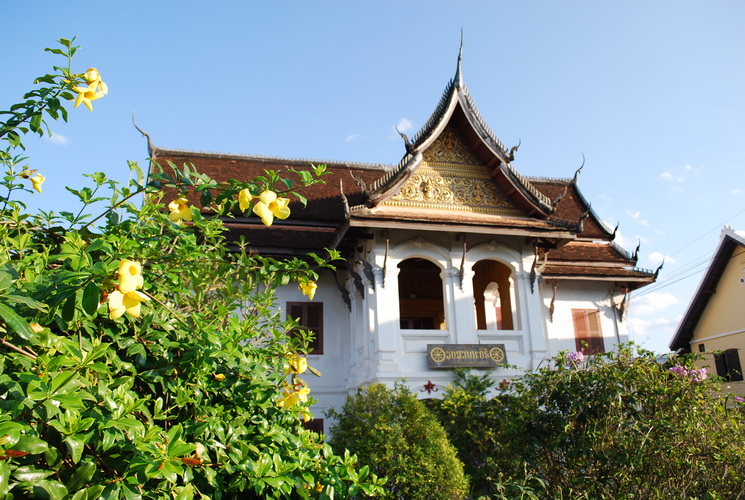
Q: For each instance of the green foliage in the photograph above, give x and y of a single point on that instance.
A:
(393, 432)
(177, 398)
(468, 417)
(616, 425)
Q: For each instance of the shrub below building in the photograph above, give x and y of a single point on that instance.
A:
(393, 433)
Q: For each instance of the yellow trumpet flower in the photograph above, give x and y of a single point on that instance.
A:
(130, 276)
(296, 364)
(86, 95)
(120, 303)
(93, 78)
(308, 288)
(180, 211)
(294, 396)
(270, 206)
(244, 199)
(37, 181)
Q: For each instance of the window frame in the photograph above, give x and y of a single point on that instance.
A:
(584, 331)
(728, 365)
(316, 346)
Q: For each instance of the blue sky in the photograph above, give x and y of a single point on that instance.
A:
(650, 92)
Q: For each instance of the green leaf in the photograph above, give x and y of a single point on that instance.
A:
(31, 444)
(5, 280)
(4, 479)
(31, 474)
(91, 296)
(76, 444)
(16, 323)
(68, 310)
(82, 475)
(54, 489)
(21, 299)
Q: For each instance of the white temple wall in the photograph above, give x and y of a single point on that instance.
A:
(585, 295)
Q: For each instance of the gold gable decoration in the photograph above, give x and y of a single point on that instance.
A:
(449, 148)
(452, 178)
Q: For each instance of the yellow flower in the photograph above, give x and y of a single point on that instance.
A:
(269, 206)
(244, 199)
(180, 211)
(306, 415)
(302, 393)
(130, 276)
(37, 181)
(93, 78)
(86, 95)
(294, 396)
(219, 377)
(296, 364)
(120, 303)
(308, 288)
(289, 400)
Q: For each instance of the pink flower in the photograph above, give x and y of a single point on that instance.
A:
(575, 359)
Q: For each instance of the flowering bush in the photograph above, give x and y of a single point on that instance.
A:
(139, 357)
(624, 426)
(575, 359)
(696, 375)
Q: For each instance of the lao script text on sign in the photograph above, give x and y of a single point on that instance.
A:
(466, 355)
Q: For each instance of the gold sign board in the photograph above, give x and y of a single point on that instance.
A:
(466, 355)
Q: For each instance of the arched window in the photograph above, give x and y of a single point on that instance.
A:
(420, 299)
(493, 294)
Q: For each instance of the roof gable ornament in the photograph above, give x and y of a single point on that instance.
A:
(458, 79)
(457, 111)
(576, 172)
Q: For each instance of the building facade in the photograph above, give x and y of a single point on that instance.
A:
(714, 323)
(451, 258)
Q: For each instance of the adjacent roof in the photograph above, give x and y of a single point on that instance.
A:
(728, 242)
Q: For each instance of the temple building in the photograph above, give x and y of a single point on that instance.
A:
(451, 258)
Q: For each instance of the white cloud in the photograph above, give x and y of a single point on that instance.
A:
(637, 217)
(404, 125)
(667, 175)
(624, 242)
(652, 304)
(679, 175)
(656, 258)
(353, 137)
(735, 191)
(653, 334)
(58, 139)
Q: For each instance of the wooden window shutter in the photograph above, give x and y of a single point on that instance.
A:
(587, 331)
(732, 359)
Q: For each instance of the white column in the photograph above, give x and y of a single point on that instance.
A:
(465, 308)
(531, 319)
(387, 319)
(449, 279)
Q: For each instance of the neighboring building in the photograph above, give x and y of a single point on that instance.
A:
(714, 323)
(451, 258)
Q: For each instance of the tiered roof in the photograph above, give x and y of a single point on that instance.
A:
(455, 176)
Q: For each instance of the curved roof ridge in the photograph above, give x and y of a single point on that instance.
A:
(268, 157)
(621, 250)
(548, 179)
(529, 186)
(437, 115)
(393, 172)
(490, 135)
